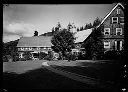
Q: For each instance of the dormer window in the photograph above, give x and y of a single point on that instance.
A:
(106, 31)
(118, 31)
(118, 11)
(114, 20)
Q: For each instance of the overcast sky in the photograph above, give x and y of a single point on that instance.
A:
(23, 19)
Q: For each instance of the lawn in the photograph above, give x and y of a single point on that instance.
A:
(41, 78)
(21, 66)
(31, 74)
(107, 71)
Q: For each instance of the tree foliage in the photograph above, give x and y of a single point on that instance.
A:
(63, 41)
(88, 26)
(96, 22)
(36, 33)
(94, 45)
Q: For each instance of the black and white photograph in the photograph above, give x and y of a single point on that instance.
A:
(64, 46)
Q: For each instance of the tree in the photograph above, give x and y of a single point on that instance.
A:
(81, 28)
(93, 45)
(88, 26)
(58, 27)
(69, 26)
(35, 33)
(96, 22)
(78, 30)
(63, 41)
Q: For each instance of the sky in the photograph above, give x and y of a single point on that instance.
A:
(21, 20)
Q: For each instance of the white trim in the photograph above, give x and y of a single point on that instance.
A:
(110, 13)
(117, 31)
(116, 19)
(105, 30)
(106, 42)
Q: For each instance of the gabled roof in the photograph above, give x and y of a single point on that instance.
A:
(118, 4)
(35, 41)
(82, 35)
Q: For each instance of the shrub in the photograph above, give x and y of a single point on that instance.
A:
(42, 55)
(114, 55)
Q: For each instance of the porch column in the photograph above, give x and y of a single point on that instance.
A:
(120, 45)
(115, 45)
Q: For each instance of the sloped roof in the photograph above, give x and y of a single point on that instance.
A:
(82, 35)
(35, 41)
(110, 13)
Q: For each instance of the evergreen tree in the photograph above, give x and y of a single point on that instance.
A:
(69, 26)
(36, 33)
(78, 30)
(88, 26)
(53, 30)
(94, 45)
(96, 22)
(81, 28)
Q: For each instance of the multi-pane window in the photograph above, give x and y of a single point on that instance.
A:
(106, 44)
(118, 31)
(118, 11)
(121, 19)
(106, 31)
(114, 19)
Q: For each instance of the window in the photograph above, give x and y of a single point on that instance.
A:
(106, 44)
(21, 55)
(118, 31)
(118, 11)
(106, 31)
(122, 20)
(22, 49)
(114, 19)
(30, 48)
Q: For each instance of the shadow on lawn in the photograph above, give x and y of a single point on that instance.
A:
(106, 71)
(40, 79)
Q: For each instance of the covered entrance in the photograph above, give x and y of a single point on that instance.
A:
(35, 55)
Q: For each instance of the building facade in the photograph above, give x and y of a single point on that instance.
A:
(33, 47)
(113, 29)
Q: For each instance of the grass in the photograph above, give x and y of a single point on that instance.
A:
(31, 74)
(98, 70)
(40, 79)
(20, 67)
